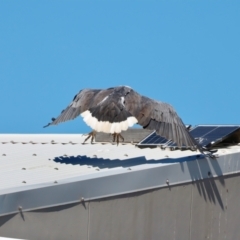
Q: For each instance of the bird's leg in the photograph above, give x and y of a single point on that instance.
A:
(114, 137)
(91, 135)
(208, 152)
(117, 135)
(121, 137)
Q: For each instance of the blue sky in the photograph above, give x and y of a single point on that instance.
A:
(186, 53)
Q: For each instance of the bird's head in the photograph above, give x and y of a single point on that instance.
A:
(124, 90)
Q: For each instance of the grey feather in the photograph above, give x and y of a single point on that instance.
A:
(106, 105)
(161, 117)
(81, 102)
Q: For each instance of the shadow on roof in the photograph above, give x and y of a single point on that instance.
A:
(207, 187)
(107, 163)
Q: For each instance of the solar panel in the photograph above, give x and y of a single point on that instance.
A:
(203, 134)
(154, 139)
(209, 134)
(198, 133)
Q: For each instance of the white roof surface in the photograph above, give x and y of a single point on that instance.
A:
(42, 170)
(29, 158)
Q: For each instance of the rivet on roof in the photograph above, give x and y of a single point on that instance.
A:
(24, 182)
(55, 182)
(4, 154)
(94, 155)
(23, 168)
(65, 155)
(125, 155)
(34, 154)
(56, 168)
(13, 142)
(129, 169)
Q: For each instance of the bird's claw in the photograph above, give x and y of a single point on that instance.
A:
(209, 153)
(116, 137)
(91, 135)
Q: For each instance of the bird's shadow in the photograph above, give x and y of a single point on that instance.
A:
(207, 187)
(107, 163)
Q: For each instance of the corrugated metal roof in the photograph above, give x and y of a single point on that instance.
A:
(31, 159)
(38, 170)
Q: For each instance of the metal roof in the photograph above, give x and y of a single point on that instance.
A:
(40, 170)
(37, 158)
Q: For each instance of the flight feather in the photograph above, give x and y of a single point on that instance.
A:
(115, 109)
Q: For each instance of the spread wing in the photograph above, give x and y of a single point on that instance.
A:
(81, 102)
(159, 116)
(115, 109)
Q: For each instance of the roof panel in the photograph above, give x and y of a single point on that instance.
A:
(37, 158)
(62, 169)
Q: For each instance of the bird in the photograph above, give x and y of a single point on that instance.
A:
(115, 109)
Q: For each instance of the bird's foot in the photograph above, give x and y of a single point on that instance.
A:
(116, 137)
(91, 135)
(209, 153)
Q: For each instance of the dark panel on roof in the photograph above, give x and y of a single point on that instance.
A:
(204, 134)
(154, 139)
(201, 130)
(215, 135)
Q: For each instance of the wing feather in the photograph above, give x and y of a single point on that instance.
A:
(159, 116)
(107, 106)
(81, 102)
